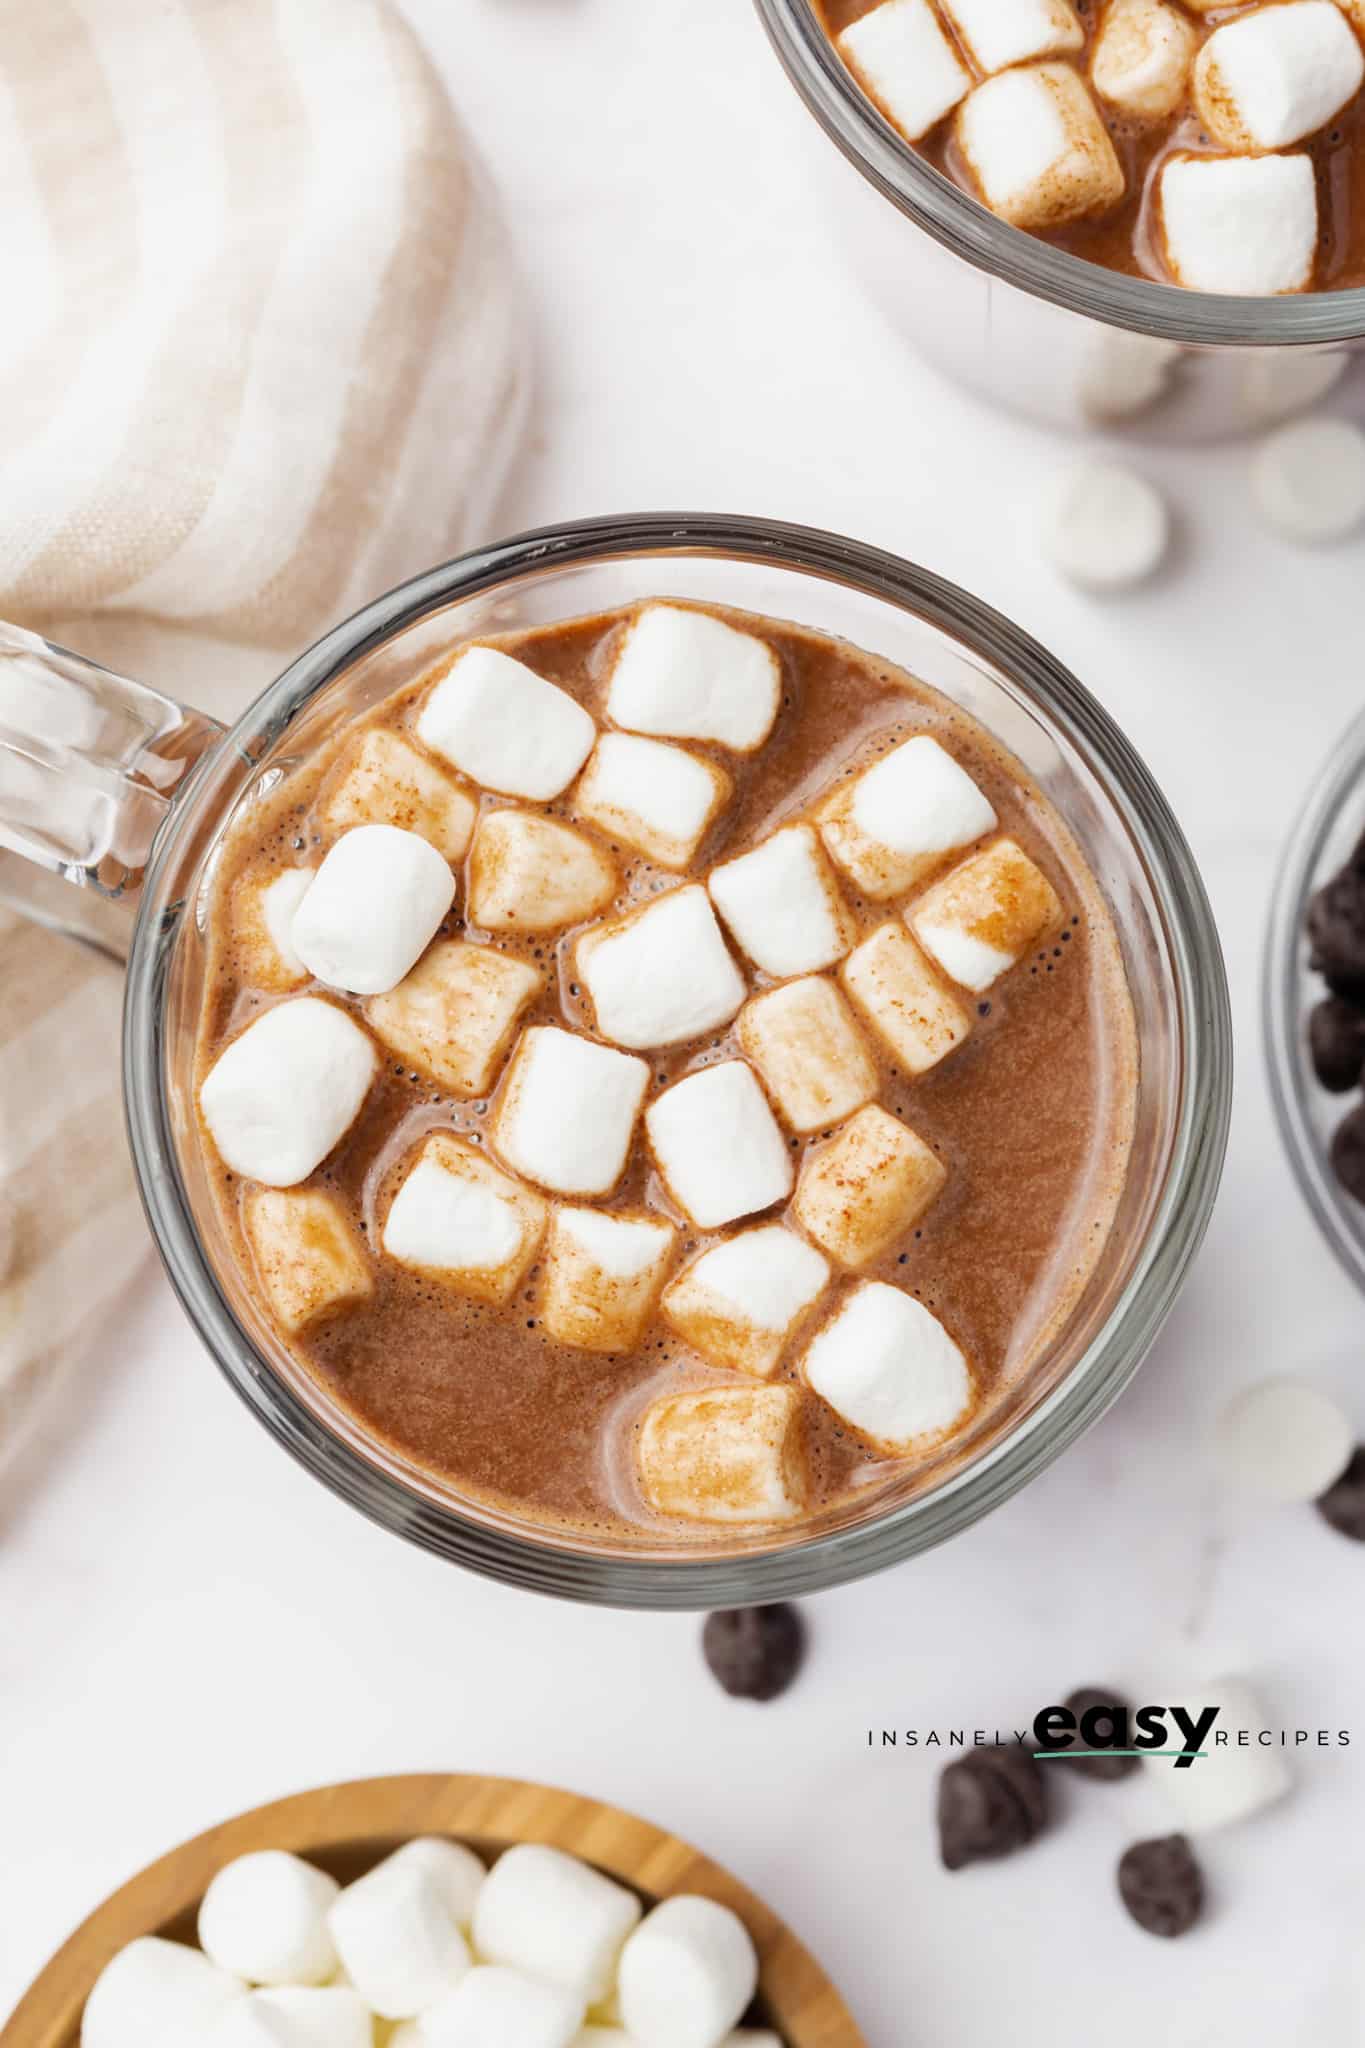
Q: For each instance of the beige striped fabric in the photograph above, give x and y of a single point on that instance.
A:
(262, 357)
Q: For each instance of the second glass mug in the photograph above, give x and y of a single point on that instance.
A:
(114, 786)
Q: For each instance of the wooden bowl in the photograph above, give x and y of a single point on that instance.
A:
(348, 1828)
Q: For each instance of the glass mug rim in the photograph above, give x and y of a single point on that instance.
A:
(956, 220)
(1157, 1267)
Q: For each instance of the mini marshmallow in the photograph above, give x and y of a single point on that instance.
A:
(903, 60)
(455, 1870)
(739, 1302)
(566, 1114)
(661, 975)
(718, 1146)
(868, 1185)
(458, 1217)
(263, 908)
(555, 1918)
(685, 675)
(687, 1974)
(655, 797)
(453, 1017)
(246, 2023)
(529, 874)
(902, 818)
(724, 1454)
(308, 1259)
(400, 1947)
(895, 988)
(505, 727)
(1034, 142)
(783, 905)
(890, 1369)
(1106, 527)
(384, 781)
(374, 908)
(810, 1053)
(1284, 1441)
(1308, 480)
(1240, 224)
(1277, 382)
(1277, 74)
(997, 35)
(287, 1090)
(1125, 374)
(334, 2016)
(264, 1917)
(983, 917)
(602, 1277)
(496, 2007)
(156, 1994)
(1234, 1778)
(1142, 56)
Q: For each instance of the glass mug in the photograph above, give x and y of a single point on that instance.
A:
(115, 787)
(1033, 327)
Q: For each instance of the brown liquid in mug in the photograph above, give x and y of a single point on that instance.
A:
(1033, 1116)
(1124, 238)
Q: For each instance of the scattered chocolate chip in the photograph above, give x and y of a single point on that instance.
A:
(1336, 1041)
(1336, 928)
(1348, 1152)
(754, 1652)
(990, 1802)
(1343, 1504)
(1087, 1701)
(1161, 1885)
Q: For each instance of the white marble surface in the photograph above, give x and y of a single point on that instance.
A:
(188, 1626)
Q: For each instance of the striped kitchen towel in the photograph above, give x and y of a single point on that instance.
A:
(262, 356)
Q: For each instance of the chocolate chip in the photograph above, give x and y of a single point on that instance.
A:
(990, 1802)
(1161, 1885)
(1091, 1699)
(1336, 1041)
(1343, 1504)
(754, 1652)
(1336, 928)
(1347, 1152)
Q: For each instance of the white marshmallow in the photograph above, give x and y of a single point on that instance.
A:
(1284, 1441)
(1037, 148)
(401, 1949)
(661, 975)
(893, 985)
(658, 798)
(264, 1917)
(1125, 374)
(718, 1146)
(998, 33)
(783, 905)
(1106, 527)
(1277, 74)
(810, 1053)
(529, 874)
(308, 1259)
(901, 818)
(1277, 382)
(1142, 56)
(384, 781)
(890, 1369)
(1308, 480)
(455, 1870)
(375, 906)
(566, 1115)
(457, 1216)
(1240, 224)
(739, 1302)
(156, 1994)
(505, 727)
(602, 1277)
(904, 61)
(983, 917)
(686, 675)
(724, 1454)
(687, 1974)
(500, 2008)
(453, 1017)
(1234, 1778)
(263, 908)
(246, 2023)
(286, 1090)
(865, 1187)
(334, 2016)
(555, 1918)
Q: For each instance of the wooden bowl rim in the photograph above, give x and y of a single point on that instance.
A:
(489, 1812)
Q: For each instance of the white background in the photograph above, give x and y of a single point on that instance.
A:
(188, 1626)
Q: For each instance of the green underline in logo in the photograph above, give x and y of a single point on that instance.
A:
(1045, 1756)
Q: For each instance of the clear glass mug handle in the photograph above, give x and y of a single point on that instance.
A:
(90, 764)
